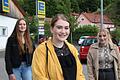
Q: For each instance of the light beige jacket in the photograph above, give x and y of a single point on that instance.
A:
(93, 61)
(39, 69)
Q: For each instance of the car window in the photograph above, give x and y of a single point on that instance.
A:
(89, 41)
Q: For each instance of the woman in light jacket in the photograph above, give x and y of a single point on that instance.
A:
(57, 59)
(103, 60)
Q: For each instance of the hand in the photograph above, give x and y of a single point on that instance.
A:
(12, 77)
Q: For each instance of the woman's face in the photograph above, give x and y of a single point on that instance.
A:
(22, 26)
(61, 30)
(103, 38)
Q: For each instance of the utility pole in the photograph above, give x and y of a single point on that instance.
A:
(40, 16)
(101, 19)
(36, 9)
(37, 16)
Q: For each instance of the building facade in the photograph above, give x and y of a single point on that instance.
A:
(8, 20)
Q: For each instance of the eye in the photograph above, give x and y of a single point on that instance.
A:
(99, 35)
(22, 24)
(66, 27)
(59, 27)
(104, 35)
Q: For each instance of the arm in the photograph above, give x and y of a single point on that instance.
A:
(90, 67)
(39, 64)
(8, 51)
(118, 55)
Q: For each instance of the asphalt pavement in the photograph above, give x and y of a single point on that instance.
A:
(3, 74)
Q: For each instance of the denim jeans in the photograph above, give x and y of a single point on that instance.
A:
(24, 72)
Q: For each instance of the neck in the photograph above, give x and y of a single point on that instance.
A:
(58, 44)
(22, 34)
(102, 45)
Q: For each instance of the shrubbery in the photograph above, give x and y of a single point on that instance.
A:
(86, 30)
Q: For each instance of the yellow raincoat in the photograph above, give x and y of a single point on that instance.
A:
(53, 70)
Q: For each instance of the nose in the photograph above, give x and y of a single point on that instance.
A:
(63, 30)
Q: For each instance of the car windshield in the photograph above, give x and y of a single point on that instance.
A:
(89, 41)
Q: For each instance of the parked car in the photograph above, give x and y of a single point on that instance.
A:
(84, 47)
(81, 39)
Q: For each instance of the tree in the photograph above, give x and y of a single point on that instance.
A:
(29, 6)
(47, 29)
(50, 8)
(113, 11)
(74, 6)
(116, 34)
(33, 26)
(88, 5)
(86, 30)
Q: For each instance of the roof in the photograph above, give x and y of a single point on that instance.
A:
(95, 18)
(75, 14)
(18, 6)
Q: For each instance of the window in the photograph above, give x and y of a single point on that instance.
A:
(82, 19)
(3, 31)
(89, 41)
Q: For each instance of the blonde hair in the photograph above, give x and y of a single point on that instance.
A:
(109, 40)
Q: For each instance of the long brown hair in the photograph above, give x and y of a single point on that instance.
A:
(28, 42)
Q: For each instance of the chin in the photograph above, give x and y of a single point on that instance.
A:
(62, 39)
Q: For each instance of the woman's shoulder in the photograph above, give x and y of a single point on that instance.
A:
(11, 38)
(94, 45)
(41, 46)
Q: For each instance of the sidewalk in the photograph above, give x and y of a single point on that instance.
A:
(3, 74)
(2, 53)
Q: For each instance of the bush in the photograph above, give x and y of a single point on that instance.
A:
(86, 30)
(116, 34)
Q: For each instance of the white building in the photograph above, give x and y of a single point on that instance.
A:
(94, 19)
(8, 21)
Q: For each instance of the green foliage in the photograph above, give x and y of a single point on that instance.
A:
(33, 26)
(47, 29)
(113, 11)
(73, 26)
(62, 6)
(57, 6)
(88, 5)
(29, 6)
(50, 8)
(116, 34)
(86, 30)
(74, 6)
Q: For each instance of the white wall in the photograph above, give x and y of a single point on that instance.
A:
(8, 23)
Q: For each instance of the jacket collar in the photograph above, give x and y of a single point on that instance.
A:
(53, 54)
(112, 48)
(96, 45)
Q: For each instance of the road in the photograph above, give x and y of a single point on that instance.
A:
(83, 63)
(4, 76)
